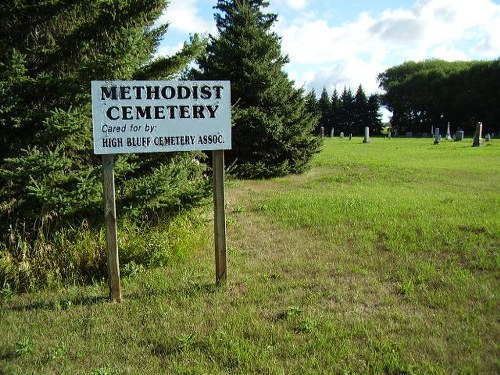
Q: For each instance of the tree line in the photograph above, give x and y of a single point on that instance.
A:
(345, 113)
(433, 93)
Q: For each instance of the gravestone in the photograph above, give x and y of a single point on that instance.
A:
(389, 134)
(367, 135)
(341, 134)
(437, 137)
(332, 132)
(487, 137)
(477, 135)
(322, 132)
(459, 135)
(448, 134)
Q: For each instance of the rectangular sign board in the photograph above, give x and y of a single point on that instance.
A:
(161, 116)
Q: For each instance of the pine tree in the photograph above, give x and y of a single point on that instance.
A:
(361, 114)
(336, 110)
(325, 107)
(51, 50)
(312, 102)
(272, 129)
(347, 116)
(374, 115)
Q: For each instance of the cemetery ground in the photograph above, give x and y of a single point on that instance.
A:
(383, 258)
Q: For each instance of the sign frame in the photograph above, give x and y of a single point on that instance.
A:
(133, 116)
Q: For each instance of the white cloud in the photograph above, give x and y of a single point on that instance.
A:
(294, 4)
(356, 52)
(183, 16)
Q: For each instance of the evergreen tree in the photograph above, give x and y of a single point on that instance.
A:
(361, 113)
(336, 110)
(312, 102)
(325, 108)
(374, 115)
(51, 50)
(272, 129)
(347, 116)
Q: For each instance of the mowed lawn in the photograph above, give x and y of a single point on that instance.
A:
(382, 259)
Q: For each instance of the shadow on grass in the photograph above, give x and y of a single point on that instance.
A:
(59, 304)
(191, 289)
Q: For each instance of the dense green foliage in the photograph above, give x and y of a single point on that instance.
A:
(435, 92)
(347, 113)
(272, 129)
(49, 177)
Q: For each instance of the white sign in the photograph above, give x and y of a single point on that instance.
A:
(161, 116)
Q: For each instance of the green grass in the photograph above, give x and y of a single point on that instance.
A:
(383, 259)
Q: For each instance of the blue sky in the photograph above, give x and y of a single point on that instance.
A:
(338, 43)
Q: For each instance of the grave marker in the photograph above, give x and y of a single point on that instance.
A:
(459, 135)
(448, 133)
(366, 139)
(478, 135)
(437, 137)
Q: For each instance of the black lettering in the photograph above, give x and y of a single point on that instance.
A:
(143, 112)
(109, 113)
(108, 92)
(184, 109)
(195, 92)
(159, 112)
(112, 142)
(183, 92)
(198, 111)
(125, 92)
(171, 110)
(127, 113)
(212, 110)
(206, 92)
(217, 91)
(152, 92)
(168, 95)
(138, 91)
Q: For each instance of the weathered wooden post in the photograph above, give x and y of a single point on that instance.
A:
(219, 217)
(115, 292)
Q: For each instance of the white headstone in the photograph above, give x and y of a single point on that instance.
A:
(477, 135)
(367, 135)
(448, 133)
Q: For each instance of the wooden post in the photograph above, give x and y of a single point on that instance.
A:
(115, 293)
(219, 216)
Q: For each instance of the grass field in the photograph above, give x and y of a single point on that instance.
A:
(382, 259)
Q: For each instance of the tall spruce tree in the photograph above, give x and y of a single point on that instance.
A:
(51, 50)
(347, 114)
(336, 109)
(361, 113)
(325, 107)
(272, 129)
(374, 115)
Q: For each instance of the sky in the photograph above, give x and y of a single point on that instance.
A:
(338, 43)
